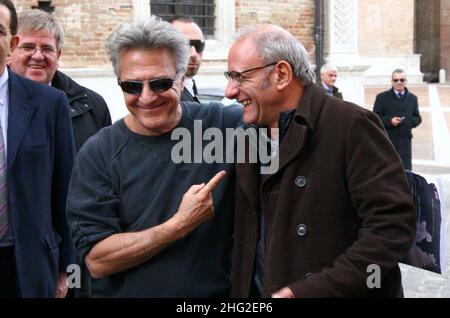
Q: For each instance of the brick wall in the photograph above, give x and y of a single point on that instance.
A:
(86, 24)
(297, 16)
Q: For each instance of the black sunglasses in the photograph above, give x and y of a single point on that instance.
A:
(401, 80)
(158, 85)
(198, 44)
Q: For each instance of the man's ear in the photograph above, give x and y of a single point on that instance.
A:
(13, 43)
(284, 74)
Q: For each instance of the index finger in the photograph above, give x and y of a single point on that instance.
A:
(213, 183)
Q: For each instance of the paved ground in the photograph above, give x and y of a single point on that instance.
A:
(431, 158)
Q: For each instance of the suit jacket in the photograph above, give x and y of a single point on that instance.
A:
(186, 96)
(40, 158)
(338, 204)
(388, 105)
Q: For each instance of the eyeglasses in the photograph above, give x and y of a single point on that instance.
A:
(30, 50)
(198, 44)
(157, 85)
(401, 80)
(237, 76)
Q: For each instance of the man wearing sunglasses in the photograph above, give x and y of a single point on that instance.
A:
(145, 224)
(194, 34)
(399, 112)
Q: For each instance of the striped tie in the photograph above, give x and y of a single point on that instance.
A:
(3, 189)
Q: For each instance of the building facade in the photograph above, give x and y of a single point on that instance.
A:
(365, 39)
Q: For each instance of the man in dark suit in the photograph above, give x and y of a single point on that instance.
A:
(36, 158)
(194, 34)
(399, 112)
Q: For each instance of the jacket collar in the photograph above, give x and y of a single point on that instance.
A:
(63, 82)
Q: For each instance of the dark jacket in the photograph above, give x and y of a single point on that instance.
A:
(186, 96)
(89, 112)
(40, 160)
(388, 105)
(335, 93)
(338, 203)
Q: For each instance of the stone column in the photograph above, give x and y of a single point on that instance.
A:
(341, 48)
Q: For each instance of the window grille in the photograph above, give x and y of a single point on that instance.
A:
(201, 11)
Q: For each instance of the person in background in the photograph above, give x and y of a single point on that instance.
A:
(36, 57)
(328, 76)
(194, 34)
(398, 109)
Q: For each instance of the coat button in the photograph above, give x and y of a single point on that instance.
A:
(309, 276)
(300, 182)
(302, 229)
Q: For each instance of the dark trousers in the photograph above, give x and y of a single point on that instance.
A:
(403, 147)
(8, 286)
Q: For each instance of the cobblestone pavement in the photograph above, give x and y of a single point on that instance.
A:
(431, 158)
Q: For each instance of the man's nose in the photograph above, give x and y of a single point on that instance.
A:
(232, 90)
(147, 95)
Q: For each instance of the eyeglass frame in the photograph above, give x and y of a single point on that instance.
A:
(53, 50)
(233, 75)
(174, 79)
(401, 80)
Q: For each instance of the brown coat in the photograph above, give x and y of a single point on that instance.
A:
(338, 203)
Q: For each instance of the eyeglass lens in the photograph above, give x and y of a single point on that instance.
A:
(159, 85)
(198, 44)
(399, 80)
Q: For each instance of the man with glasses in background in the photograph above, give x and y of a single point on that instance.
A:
(194, 34)
(41, 39)
(146, 225)
(399, 112)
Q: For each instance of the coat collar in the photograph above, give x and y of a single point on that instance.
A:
(305, 119)
(21, 110)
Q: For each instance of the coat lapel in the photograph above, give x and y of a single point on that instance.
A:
(305, 118)
(21, 110)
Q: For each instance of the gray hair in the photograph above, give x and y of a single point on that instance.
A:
(398, 71)
(149, 33)
(327, 68)
(274, 46)
(37, 20)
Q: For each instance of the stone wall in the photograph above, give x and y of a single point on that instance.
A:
(386, 27)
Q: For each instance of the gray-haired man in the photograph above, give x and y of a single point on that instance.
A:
(136, 219)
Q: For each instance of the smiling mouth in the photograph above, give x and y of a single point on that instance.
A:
(150, 107)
